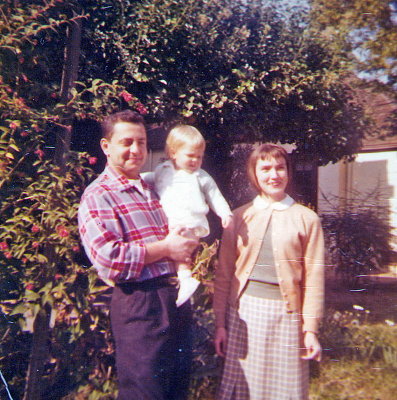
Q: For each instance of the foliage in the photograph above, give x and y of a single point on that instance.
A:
(350, 334)
(363, 32)
(360, 357)
(377, 342)
(40, 242)
(357, 233)
(41, 274)
(233, 69)
(350, 379)
(238, 184)
(205, 368)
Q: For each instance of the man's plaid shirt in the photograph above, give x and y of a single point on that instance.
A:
(115, 222)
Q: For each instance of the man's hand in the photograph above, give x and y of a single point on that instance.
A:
(227, 221)
(174, 246)
(180, 247)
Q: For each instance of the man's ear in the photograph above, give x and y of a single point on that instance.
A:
(104, 146)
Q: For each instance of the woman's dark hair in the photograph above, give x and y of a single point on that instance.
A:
(264, 152)
(122, 116)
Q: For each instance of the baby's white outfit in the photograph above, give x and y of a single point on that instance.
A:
(186, 198)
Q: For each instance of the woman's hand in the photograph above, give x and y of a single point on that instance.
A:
(220, 341)
(312, 347)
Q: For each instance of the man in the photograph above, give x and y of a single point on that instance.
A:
(125, 234)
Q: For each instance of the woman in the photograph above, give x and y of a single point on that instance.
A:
(269, 288)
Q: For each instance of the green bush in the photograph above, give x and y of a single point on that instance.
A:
(357, 233)
(376, 342)
(349, 335)
(205, 369)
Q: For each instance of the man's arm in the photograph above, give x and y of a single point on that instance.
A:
(102, 236)
(174, 246)
(117, 260)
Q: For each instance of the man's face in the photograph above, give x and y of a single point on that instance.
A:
(126, 151)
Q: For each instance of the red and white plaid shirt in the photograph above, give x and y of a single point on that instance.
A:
(115, 221)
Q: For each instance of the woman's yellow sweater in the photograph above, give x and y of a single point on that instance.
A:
(298, 249)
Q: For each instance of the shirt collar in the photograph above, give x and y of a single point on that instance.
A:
(262, 204)
(120, 181)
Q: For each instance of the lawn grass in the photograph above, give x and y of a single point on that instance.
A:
(350, 379)
(352, 372)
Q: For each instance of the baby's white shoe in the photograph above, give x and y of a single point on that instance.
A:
(187, 286)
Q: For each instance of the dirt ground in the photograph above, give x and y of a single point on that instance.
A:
(379, 296)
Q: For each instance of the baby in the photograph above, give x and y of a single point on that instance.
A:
(186, 192)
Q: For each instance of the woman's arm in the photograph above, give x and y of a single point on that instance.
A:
(224, 274)
(220, 341)
(313, 289)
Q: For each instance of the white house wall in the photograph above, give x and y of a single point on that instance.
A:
(154, 158)
(328, 185)
(369, 171)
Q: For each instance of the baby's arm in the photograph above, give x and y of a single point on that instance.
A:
(148, 177)
(215, 199)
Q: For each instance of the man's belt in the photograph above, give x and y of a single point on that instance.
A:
(151, 284)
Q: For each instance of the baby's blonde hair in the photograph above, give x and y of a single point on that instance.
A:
(183, 135)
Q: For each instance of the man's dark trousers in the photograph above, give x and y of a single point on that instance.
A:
(153, 341)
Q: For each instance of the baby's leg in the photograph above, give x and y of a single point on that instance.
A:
(183, 267)
(187, 284)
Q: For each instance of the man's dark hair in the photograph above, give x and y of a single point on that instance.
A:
(122, 116)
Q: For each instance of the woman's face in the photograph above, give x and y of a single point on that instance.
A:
(272, 176)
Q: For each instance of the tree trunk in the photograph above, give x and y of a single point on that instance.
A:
(69, 76)
(41, 328)
(38, 355)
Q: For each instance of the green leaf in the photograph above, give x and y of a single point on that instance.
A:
(31, 296)
(19, 309)
(14, 147)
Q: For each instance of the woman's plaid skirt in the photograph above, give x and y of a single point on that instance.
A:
(263, 353)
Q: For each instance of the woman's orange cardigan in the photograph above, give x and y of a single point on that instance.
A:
(298, 248)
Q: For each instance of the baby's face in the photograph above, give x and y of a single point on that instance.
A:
(188, 158)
